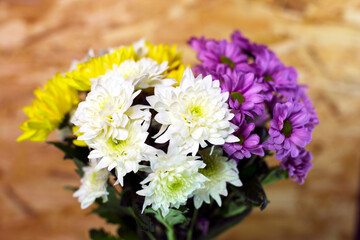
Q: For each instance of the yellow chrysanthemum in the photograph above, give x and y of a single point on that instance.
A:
(161, 53)
(49, 110)
(177, 74)
(96, 66)
(77, 142)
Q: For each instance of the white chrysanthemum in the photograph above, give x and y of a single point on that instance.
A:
(123, 155)
(107, 108)
(93, 185)
(145, 72)
(140, 48)
(174, 179)
(219, 170)
(193, 113)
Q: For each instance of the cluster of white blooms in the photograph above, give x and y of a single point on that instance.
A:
(123, 155)
(146, 72)
(174, 178)
(193, 113)
(107, 109)
(219, 170)
(115, 120)
(93, 185)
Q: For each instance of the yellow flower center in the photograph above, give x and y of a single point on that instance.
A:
(175, 185)
(211, 169)
(196, 111)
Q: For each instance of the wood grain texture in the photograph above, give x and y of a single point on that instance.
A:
(320, 38)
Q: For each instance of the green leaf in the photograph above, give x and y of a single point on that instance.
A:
(235, 209)
(100, 234)
(218, 227)
(255, 193)
(142, 220)
(126, 231)
(170, 233)
(115, 213)
(77, 154)
(249, 171)
(275, 174)
(176, 217)
(71, 151)
(79, 164)
(110, 210)
(248, 166)
(70, 188)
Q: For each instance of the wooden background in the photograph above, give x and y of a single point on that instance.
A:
(321, 38)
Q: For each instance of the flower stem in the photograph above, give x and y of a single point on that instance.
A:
(193, 220)
(170, 233)
(150, 236)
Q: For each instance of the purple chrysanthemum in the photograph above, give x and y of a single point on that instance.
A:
(260, 86)
(198, 44)
(245, 94)
(313, 119)
(241, 41)
(214, 53)
(248, 144)
(287, 129)
(299, 166)
(275, 76)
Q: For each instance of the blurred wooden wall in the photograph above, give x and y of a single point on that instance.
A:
(321, 38)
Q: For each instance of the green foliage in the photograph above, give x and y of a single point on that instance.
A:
(255, 193)
(71, 151)
(235, 208)
(100, 234)
(77, 154)
(222, 225)
(113, 212)
(125, 209)
(275, 174)
(176, 217)
(70, 188)
(173, 218)
(132, 223)
(79, 164)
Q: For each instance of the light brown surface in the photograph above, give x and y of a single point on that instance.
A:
(320, 38)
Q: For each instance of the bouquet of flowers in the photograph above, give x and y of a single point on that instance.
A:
(167, 152)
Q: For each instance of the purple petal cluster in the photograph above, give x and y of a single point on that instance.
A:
(261, 89)
(299, 166)
(272, 73)
(288, 133)
(313, 120)
(217, 53)
(248, 144)
(244, 92)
